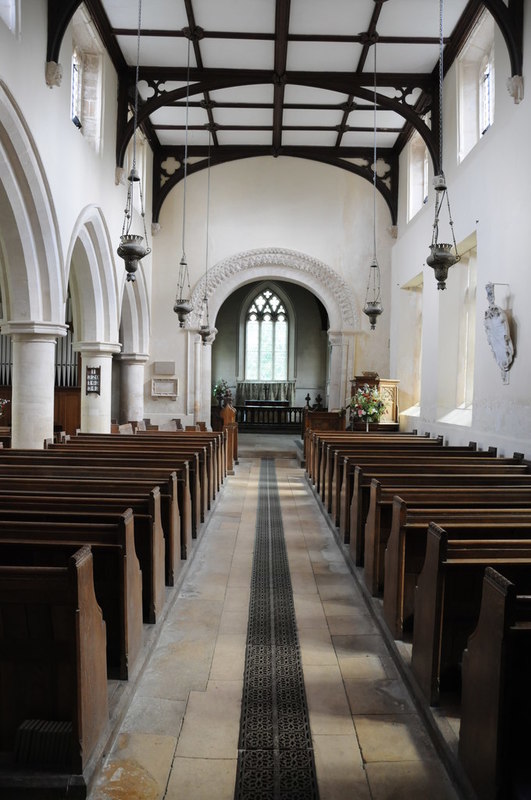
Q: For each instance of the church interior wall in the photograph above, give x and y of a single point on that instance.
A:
(78, 176)
(289, 203)
(489, 198)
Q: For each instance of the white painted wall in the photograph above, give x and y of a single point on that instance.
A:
(489, 194)
(78, 176)
(259, 203)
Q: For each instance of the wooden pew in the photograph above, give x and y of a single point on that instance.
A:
(134, 444)
(348, 482)
(343, 460)
(439, 475)
(334, 455)
(26, 482)
(448, 596)
(128, 465)
(381, 512)
(148, 533)
(315, 438)
(404, 458)
(406, 546)
(367, 444)
(117, 576)
(496, 695)
(113, 469)
(43, 611)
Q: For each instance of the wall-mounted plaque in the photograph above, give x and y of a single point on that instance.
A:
(93, 380)
(164, 387)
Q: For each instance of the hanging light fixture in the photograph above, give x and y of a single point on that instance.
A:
(132, 248)
(443, 255)
(204, 329)
(183, 306)
(373, 305)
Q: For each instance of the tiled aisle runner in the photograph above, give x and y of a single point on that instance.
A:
(275, 756)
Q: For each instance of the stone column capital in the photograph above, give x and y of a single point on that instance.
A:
(97, 349)
(33, 331)
(133, 358)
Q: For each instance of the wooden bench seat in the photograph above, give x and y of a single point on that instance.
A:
(25, 482)
(117, 575)
(410, 476)
(448, 597)
(406, 550)
(381, 446)
(314, 440)
(148, 532)
(382, 511)
(43, 610)
(200, 458)
(338, 456)
(168, 481)
(445, 457)
(495, 694)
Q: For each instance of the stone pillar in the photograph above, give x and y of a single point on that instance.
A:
(198, 406)
(33, 381)
(206, 378)
(132, 386)
(96, 357)
(341, 367)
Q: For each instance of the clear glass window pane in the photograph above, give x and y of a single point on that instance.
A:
(266, 351)
(281, 351)
(252, 350)
(266, 345)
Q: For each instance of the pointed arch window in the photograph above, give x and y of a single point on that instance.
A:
(266, 338)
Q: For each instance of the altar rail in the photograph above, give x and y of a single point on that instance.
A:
(269, 418)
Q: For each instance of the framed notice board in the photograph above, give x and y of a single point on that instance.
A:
(93, 377)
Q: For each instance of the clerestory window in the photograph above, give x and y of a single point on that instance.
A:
(476, 85)
(266, 339)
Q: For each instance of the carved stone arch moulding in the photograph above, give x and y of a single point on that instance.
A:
(278, 264)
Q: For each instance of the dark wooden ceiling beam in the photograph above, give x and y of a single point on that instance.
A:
(359, 38)
(338, 81)
(324, 155)
(326, 128)
(369, 38)
(317, 80)
(195, 34)
(282, 10)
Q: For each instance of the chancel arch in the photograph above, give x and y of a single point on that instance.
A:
(278, 264)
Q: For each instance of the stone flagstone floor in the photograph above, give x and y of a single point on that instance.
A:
(179, 737)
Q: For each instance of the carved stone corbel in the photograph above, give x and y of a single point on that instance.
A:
(53, 74)
(515, 87)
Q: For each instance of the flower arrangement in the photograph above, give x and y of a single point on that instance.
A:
(3, 403)
(220, 387)
(367, 405)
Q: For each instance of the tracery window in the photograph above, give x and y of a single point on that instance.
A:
(266, 338)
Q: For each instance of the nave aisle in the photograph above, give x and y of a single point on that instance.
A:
(179, 738)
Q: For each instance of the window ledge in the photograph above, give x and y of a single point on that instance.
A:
(459, 416)
(412, 411)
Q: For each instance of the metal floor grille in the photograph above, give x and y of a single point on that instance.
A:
(275, 759)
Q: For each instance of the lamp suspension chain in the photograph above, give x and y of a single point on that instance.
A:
(441, 257)
(182, 305)
(205, 322)
(373, 306)
(131, 247)
(374, 160)
(185, 165)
